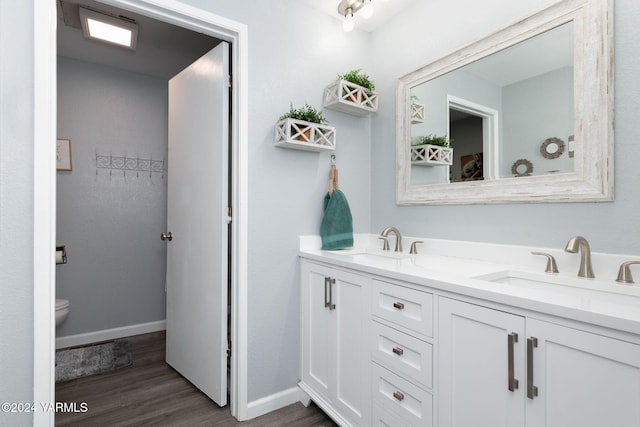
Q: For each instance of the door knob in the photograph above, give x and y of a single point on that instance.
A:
(167, 236)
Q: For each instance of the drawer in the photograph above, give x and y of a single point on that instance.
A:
(395, 395)
(406, 307)
(402, 353)
(384, 418)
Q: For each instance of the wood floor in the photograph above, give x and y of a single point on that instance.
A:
(151, 393)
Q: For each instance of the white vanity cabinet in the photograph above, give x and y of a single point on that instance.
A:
(334, 355)
(549, 375)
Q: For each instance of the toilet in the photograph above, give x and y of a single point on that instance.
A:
(62, 311)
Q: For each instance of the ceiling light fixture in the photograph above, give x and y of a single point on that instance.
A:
(109, 29)
(348, 8)
(347, 25)
(367, 9)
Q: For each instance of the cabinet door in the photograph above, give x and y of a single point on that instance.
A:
(351, 316)
(582, 379)
(317, 335)
(335, 314)
(476, 356)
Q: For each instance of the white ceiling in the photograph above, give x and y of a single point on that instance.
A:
(533, 57)
(384, 10)
(163, 49)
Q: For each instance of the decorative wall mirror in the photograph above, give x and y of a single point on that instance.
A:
(519, 93)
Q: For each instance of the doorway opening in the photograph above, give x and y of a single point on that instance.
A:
(473, 132)
(222, 29)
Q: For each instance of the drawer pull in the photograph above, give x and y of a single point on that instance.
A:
(398, 351)
(398, 305)
(399, 396)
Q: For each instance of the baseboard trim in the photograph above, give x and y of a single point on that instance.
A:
(110, 334)
(273, 402)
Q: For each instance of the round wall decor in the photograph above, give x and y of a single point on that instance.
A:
(552, 148)
(522, 167)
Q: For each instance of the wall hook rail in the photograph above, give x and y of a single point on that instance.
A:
(130, 164)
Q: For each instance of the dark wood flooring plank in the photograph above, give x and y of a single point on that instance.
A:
(151, 393)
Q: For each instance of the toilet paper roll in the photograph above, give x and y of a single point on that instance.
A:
(60, 258)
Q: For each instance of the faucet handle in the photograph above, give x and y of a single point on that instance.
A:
(624, 274)
(385, 246)
(413, 249)
(552, 267)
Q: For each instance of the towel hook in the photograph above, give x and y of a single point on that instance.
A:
(333, 160)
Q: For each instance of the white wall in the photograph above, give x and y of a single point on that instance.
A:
(111, 222)
(427, 32)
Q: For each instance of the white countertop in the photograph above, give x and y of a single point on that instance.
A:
(599, 301)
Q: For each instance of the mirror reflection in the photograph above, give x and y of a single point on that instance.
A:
(507, 115)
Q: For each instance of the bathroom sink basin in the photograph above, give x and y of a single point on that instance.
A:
(364, 253)
(374, 257)
(580, 291)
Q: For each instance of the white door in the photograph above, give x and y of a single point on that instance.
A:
(479, 354)
(197, 219)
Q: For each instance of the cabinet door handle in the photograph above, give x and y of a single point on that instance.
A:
(399, 396)
(398, 305)
(327, 287)
(398, 351)
(532, 390)
(512, 338)
(328, 281)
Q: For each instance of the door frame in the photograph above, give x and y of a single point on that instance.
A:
(45, 118)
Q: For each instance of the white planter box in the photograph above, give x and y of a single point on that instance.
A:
(301, 135)
(417, 112)
(431, 155)
(350, 98)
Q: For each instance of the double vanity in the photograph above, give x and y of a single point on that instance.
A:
(468, 334)
(450, 333)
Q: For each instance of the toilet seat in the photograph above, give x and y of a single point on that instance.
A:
(61, 304)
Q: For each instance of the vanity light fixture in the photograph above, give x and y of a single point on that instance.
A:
(110, 29)
(348, 8)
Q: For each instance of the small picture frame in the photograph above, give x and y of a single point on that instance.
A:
(63, 154)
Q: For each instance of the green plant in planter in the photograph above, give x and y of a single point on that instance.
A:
(433, 139)
(360, 78)
(306, 113)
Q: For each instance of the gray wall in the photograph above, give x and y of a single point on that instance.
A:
(547, 112)
(111, 222)
(16, 207)
(406, 44)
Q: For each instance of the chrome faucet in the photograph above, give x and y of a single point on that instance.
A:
(385, 233)
(580, 243)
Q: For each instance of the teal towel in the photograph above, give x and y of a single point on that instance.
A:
(336, 229)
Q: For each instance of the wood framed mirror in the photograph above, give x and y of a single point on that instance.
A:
(563, 58)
